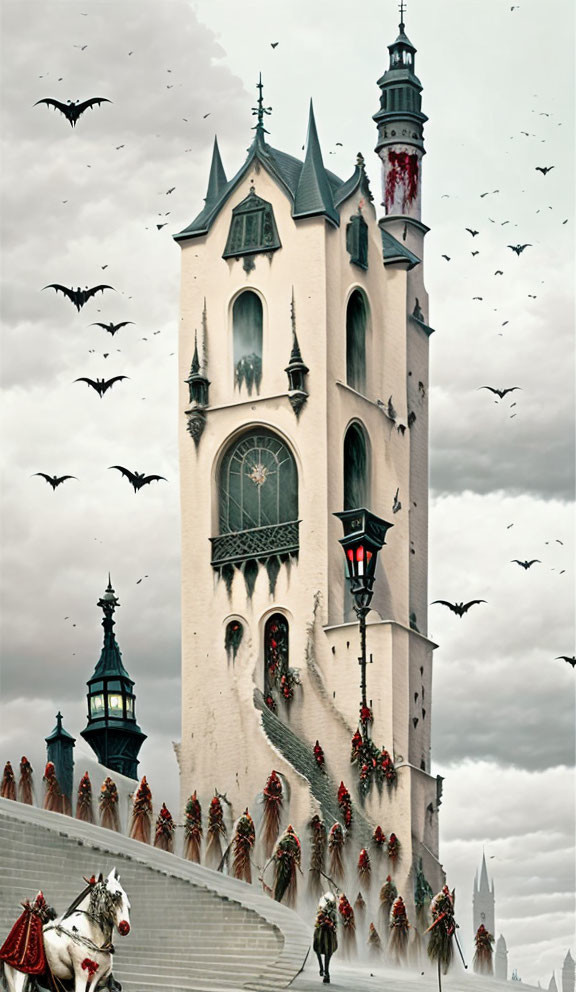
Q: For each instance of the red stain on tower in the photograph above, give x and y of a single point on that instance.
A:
(404, 172)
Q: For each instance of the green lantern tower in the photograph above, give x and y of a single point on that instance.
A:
(112, 731)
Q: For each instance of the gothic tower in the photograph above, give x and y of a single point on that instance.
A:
(112, 731)
(304, 391)
(483, 900)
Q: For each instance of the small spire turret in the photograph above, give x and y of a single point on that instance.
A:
(217, 178)
(296, 370)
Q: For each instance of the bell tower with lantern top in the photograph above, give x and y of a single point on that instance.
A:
(306, 316)
(112, 731)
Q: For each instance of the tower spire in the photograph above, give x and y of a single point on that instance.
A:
(402, 9)
(259, 111)
(313, 193)
(217, 179)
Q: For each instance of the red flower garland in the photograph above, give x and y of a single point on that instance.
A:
(270, 702)
(8, 788)
(366, 715)
(345, 804)
(140, 827)
(346, 913)
(379, 837)
(25, 782)
(387, 768)
(364, 867)
(53, 798)
(216, 830)
(272, 810)
(164, 833)
(193, 829)
(356, 746)
(374, 942)
(84, 809)
(393, 848)
(108, 803)
(244, 839)
(319, 755)
(399, 927)
(286, 861)
(336, 846)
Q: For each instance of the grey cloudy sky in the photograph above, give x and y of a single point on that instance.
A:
(73, 201)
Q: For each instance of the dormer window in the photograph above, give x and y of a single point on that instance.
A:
(252, 229)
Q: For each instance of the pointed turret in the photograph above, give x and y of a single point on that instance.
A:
(198, 385)
(501, 959)
(314, 193)
(217, 179)
(112, 731)
(60, 750)
(296, 370)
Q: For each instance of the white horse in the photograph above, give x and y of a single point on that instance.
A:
(78, 945)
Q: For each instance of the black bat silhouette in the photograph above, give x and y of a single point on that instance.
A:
(73, 109)
(78, 296)
(101, 385)
(138, 479)
(55, 480)
(544, 169)
(500, 392)
(473, 233)
(525, 564)
(564, 657)
(111, 328)
(519, 248)
(458, 608)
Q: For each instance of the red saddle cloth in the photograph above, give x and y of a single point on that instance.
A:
(23, 948)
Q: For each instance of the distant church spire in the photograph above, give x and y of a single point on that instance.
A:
(568, 974)
(483, 899)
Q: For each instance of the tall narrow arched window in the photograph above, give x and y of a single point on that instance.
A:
(356, 322)
(356, 469)
(247, 334)
(276, 645)
(257, 500)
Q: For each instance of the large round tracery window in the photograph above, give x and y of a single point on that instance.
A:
(258, 483)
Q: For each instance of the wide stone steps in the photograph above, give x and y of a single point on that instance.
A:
(191, 928)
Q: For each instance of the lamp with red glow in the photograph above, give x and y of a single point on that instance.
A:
(364, 535)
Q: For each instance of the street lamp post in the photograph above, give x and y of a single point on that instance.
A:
(364, 535)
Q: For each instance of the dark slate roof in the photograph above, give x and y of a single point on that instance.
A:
(314, 195)
(110, 661)
(318, 188)
(395, 251)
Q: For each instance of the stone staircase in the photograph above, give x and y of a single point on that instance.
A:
(191, 928)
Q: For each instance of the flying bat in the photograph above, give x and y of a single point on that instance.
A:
(111, 328)
(525, 564)
(473, 233)
(458, 608)
(77, 296)
(138, 479)
(447, 257)
(55, 480)
(519, 248)
(500, 392)
(101, 385)
(564, 657)
(544, 169)
(73, 110)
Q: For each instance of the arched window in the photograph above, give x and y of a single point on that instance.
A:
(356, 469)
(276, 645)
(356, 321)
(257, 500)
(247, 334)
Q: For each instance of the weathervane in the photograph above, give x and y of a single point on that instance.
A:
(260, 110)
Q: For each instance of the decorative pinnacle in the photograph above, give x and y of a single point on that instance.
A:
(195, 360)
(293, 313)
(108, 602)
(402, 9)
(259, 111)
